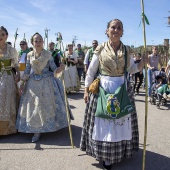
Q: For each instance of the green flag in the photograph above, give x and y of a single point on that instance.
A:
(145, 18)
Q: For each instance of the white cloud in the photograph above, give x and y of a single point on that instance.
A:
(13, 18)
(52, 6)
(5, 17)
(22, 17)
(29, 20)
(44, 5)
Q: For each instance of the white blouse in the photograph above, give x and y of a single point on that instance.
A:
(73, 56)
(93, 68)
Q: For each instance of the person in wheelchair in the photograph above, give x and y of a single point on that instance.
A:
(160, 90)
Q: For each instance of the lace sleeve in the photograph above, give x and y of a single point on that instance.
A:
(52, 64)
(14, 57)
(27, 71)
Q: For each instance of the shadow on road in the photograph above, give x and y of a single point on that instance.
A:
(76, 95)
(72, 107)
(59, 138)
(138, 100)
(154, 161)
(165, 107)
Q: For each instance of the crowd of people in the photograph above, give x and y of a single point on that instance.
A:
(33, 100)
(154, 71)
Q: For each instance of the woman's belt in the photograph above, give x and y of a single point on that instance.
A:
(119, 75)
(38, 77)
(3, 68)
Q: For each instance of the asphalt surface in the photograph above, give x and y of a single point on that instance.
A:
(53, 150)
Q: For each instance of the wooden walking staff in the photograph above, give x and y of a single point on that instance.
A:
(16, 34)
(67, 111)
(144, 19)
(59, 39)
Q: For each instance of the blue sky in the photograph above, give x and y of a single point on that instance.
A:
(86, 19)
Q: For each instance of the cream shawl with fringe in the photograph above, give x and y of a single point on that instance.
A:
(110, 63)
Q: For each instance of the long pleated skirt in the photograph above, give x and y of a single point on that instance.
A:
(112, 152)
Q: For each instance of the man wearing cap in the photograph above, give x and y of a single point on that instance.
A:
(80, 59)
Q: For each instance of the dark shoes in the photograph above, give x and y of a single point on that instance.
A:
(106, 167)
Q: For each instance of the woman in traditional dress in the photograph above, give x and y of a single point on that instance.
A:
(71, 78)
(8, 85)
(42, 105)
(110, 140)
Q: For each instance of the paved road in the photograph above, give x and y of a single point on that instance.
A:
(53, 151)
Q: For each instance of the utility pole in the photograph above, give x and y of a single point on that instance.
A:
(169, 20)
(46, 35)
(74, 40)
(16, 35)
(166, 41)
(24, 38)
(84, 42)
(168, 23)
(152, 42)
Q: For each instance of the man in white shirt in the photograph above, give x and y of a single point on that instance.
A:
(89, 55)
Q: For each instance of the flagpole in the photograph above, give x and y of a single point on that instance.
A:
(59, 39)
(146, 85)
(67, 111)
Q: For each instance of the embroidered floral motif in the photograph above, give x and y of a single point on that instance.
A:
(42, 105)
(8, 96)
(38, 64)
